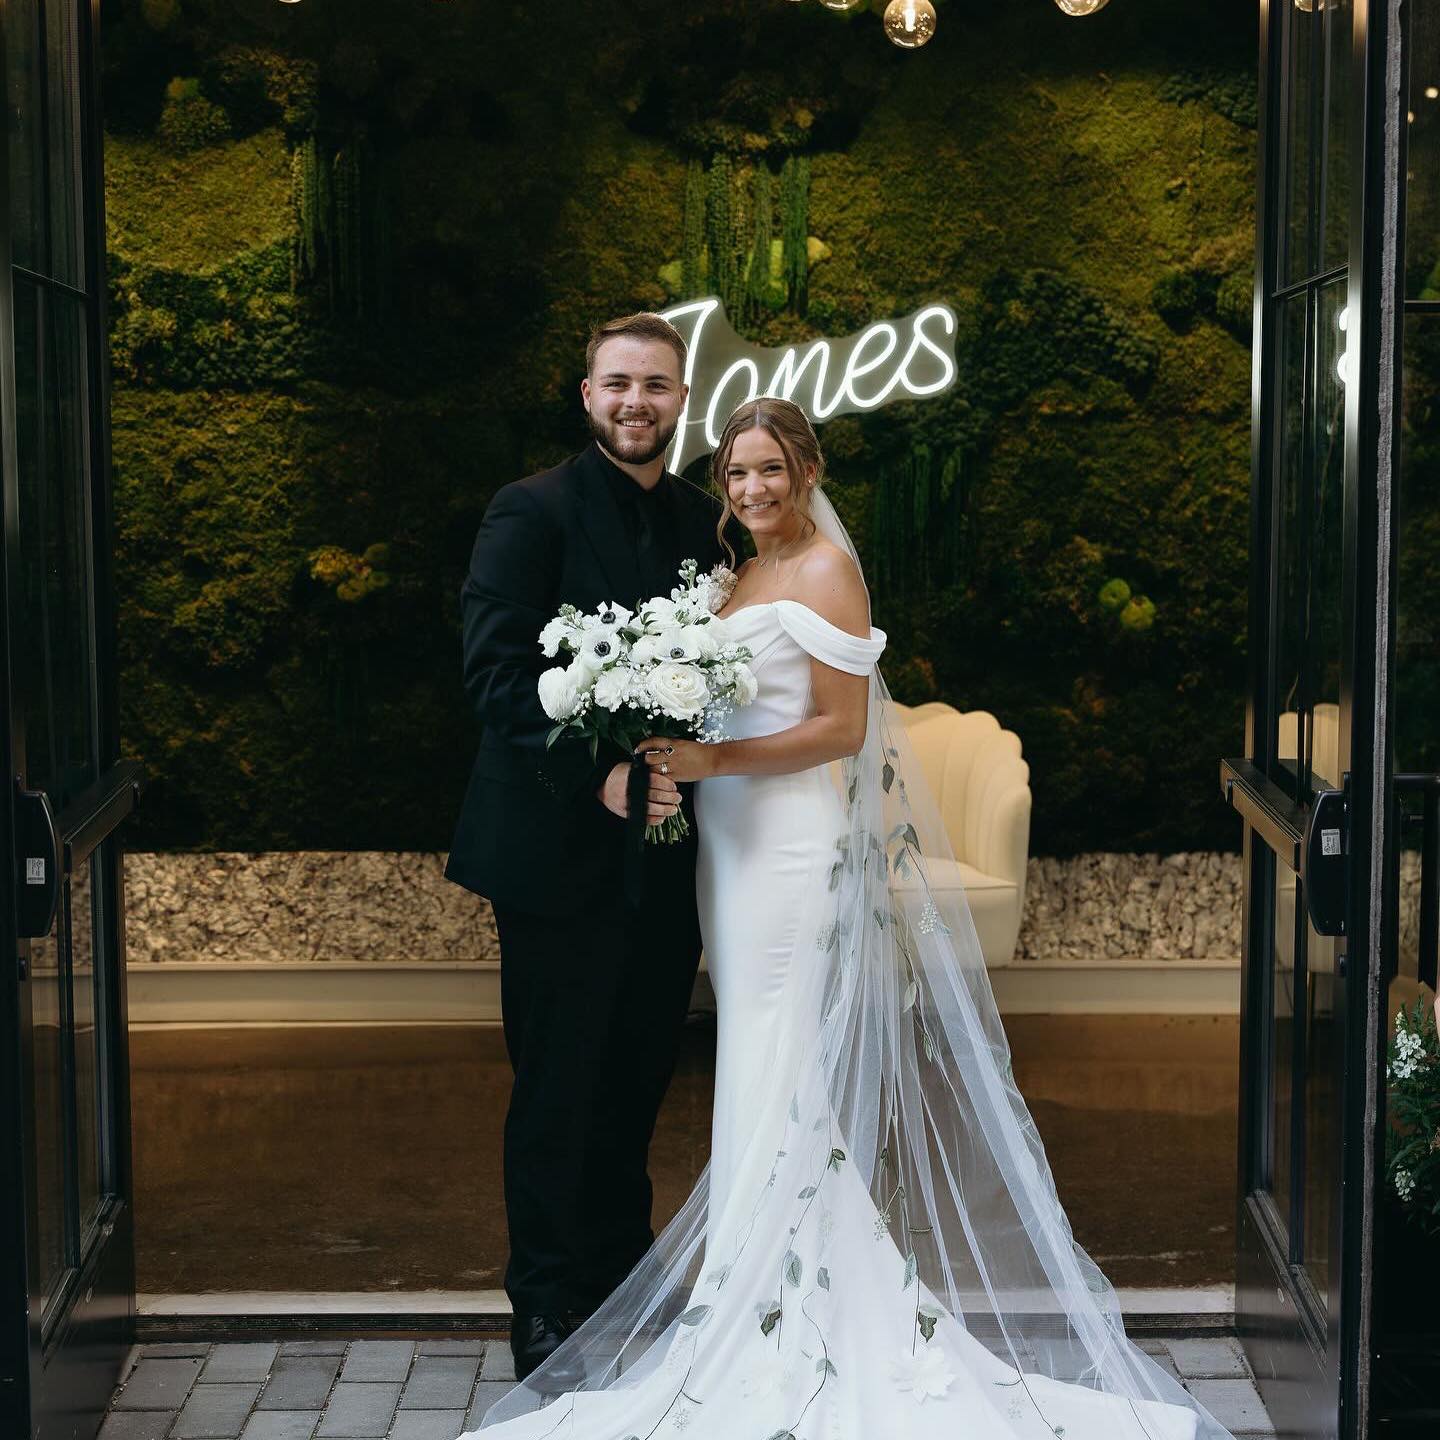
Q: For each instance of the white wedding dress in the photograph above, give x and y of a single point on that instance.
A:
(875, 1251)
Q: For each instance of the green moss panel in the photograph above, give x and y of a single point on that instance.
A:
(307, 428)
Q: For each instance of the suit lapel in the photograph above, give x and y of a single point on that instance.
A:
(603, 527)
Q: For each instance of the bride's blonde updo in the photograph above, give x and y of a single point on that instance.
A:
(790, 428)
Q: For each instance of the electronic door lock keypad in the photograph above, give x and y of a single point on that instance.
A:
(1324, 855)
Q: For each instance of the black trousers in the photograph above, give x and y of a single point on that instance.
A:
(593, 1009)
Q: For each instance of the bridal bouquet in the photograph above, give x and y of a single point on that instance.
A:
(668, 668)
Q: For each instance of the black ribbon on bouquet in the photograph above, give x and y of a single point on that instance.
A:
(637, 806)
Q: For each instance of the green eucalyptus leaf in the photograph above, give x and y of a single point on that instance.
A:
(822, 1278)
(826, 1367)
(770, 1319)
(910, 1269)
(836, 1156)
(806, 1193)
(695, 1314)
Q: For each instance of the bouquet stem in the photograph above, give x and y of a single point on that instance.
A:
(668, 831)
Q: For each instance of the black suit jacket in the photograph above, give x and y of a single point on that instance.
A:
(532, 833)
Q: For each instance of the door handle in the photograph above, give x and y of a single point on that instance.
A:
(38, 883)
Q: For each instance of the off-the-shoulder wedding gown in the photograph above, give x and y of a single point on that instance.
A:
(786, 1301)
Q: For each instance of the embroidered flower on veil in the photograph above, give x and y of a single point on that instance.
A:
(924, 1374)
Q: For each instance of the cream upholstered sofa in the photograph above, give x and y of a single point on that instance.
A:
(982, 790)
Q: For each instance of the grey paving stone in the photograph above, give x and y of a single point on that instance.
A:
(160, 1384)
(281, 1425)
(428, 1425)
(215, 1412)
(176, 1347)
(136, 1425)
(452, 1347)
(1217, 1358)
(440, 1382)
(371, 1360)
(1236, 1404)
(499, 1363)
(487, 1392)
(229, 1363)
(300, 1382)
(314, 1347)
(359, 1412)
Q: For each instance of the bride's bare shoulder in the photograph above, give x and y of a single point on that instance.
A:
(828, 581)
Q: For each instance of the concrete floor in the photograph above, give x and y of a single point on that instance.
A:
(434, 1390)
(368, 1159)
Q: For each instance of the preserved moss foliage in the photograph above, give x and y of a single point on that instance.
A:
(298, 480)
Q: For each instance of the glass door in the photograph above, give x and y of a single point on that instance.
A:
(64, 1111)
(1313, 785)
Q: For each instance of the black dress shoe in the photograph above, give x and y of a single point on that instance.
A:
(534, 1339)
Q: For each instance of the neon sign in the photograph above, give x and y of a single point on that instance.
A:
(891, 360)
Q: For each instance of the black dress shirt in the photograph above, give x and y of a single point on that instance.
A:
(651, 522)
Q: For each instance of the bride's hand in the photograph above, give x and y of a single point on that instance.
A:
(679, 759)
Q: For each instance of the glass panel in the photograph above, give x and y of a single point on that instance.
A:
(1335, 239)
(1302, 29)
(22, 97)
(62, 63)
(1325, 611)
(1291, 596)
(1282, 1040)
(1322, 1101)
(53, 644)
(1417, 599)
(80, 899)
(47, 1000)
(1422, 199)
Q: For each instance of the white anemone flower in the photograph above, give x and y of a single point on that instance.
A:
(611, 616)
(598, 648)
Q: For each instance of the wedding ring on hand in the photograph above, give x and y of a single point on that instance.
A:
(664, 768)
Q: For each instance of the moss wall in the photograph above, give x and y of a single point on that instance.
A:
(354, 258)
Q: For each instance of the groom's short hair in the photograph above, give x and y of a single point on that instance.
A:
(644, 325)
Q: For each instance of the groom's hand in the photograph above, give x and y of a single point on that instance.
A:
(664, 794)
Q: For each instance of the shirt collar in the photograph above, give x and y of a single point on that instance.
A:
(625, 490)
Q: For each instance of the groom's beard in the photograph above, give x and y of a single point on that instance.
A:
(625, 445)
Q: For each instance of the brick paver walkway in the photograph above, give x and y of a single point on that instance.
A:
(436, 1389)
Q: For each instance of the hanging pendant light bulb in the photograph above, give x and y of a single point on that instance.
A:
(842, 4)
(910, 23)
(1081, 7)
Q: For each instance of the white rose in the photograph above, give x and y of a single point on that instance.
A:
(646, 649)
(600, 647)
(560, 691)
(746, 685)
(678, 689)
(612, 689)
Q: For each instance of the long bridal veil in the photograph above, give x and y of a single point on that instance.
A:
(898, 1094)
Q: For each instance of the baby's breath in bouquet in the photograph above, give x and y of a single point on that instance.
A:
(669, 667)
(1412, 1146)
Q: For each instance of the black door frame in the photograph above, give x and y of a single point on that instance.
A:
(59, 1383)
(1313, 1375)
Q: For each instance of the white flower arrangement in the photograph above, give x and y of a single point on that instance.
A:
(669, 667)
(1412, 1142)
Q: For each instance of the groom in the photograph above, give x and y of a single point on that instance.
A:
(594, 993)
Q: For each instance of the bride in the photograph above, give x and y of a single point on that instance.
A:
(876, 1250)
